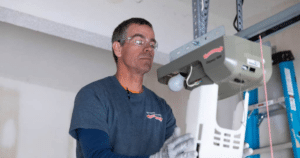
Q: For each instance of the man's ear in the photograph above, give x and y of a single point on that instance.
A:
(117, 49)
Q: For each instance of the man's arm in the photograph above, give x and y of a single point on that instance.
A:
(171, 121)
(95, 144)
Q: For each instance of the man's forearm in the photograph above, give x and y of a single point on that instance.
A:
(95, 144)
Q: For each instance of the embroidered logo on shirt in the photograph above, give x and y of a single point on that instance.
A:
(151, 115)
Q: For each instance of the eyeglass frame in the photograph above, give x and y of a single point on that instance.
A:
(155, 46)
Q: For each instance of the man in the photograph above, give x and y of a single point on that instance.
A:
(119, 117)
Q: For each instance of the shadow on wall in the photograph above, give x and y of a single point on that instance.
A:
(9, 110)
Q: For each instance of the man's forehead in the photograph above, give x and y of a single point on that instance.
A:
(145, 30)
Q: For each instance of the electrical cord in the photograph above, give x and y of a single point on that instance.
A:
(235, 20)
(243, 122)
(187, 80)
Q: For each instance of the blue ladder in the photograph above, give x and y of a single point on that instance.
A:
(291, 97)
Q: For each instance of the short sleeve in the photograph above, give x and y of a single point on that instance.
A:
(171, 121)
(89, 112)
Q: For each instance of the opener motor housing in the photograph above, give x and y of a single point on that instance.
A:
(232, 62)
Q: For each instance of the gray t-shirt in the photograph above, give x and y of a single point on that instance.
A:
(137, 124)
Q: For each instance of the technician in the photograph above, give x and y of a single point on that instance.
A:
(119, 117)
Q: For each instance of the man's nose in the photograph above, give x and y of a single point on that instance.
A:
(148, 47)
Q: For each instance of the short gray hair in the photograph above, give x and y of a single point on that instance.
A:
(120, 31)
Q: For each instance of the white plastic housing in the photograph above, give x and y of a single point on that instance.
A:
(212, 141)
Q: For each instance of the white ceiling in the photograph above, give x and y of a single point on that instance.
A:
(93, 21)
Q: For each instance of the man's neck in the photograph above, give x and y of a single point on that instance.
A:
(132, 82)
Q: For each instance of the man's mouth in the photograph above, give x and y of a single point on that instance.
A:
(148, 58)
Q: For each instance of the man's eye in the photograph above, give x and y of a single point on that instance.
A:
(139, 42)
(153, 44)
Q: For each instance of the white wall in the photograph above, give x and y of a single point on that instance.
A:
(37, 125)
(39, 78)
(50, 61)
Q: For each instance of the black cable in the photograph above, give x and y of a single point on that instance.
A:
(235, 20)
(128, 93)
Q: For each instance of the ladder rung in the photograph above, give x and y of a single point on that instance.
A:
(263, 104)
(275, 148)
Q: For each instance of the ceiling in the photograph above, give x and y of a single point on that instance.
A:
(92, 21)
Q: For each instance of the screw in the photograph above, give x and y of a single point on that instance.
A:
(196, 43)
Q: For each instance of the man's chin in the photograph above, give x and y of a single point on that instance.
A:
(145, 68)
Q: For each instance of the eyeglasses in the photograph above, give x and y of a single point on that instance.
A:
(142, 41)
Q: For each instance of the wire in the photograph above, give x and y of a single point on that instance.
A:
(235, 20)
(244, 121)
(187, 80)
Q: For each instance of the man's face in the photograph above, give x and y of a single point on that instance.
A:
(138, 58)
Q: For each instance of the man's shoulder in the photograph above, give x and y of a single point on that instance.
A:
(98, 85)
(162, 103)
(153, 94)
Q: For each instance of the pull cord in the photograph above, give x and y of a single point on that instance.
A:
(266, 97)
